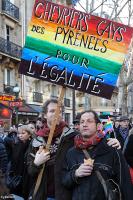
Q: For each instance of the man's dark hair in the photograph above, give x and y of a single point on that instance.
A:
(96, 117)
(45, 105)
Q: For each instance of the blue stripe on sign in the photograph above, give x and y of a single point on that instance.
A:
(28, 54)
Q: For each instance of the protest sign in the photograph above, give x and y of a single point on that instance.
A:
(74, 49)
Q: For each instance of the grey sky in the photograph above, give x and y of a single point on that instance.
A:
(108, 7)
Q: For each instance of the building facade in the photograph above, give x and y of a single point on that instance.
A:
(10, 46)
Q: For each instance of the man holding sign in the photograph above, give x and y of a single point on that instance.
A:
(35, 162)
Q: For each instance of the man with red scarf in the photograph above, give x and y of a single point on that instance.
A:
(37, 155)
(63, 139)
(80, 175)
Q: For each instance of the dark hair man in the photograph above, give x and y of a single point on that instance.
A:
(79, 176)
(50, 187)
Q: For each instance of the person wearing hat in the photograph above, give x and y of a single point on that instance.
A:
(76, 122)
(123, 130)
(17, 167)
(116, 123)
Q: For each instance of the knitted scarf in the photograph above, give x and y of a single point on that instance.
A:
(124, 132)
(79, 143)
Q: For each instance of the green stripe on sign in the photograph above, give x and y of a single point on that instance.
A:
(51, 49)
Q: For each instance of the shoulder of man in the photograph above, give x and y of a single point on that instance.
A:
(68, 132)
(131, 132)
(38, 141)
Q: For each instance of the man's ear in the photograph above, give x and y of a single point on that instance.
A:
(99, 126)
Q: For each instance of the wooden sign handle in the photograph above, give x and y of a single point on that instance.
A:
(57, 113)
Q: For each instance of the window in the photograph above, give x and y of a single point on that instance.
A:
(66, 102)
(67, 118)
(104, 102)
(9, 77)
(37, 86)
(8, 33)
(54, 91)
(9, 80)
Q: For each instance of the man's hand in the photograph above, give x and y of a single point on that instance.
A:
(84, 170)
(114, 143)
(41, 157)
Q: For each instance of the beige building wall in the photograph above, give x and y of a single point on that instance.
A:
(97, 103)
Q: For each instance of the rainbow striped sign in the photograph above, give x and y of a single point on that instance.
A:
(74, 49)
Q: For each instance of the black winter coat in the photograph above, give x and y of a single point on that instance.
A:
(3, 157)
(119, 137)
(61, 193)
(18, 166)
(129, 151)
(108, 161)
(9, 141)
(67, 141)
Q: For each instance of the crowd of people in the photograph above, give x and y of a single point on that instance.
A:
(82, 163)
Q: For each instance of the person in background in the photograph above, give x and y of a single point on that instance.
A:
(2, 135)
(9, 140)
(123, 130)
(4, 191)
(18, 166)
(39, 124)
(3, 157)
(116, 123)
(32, 127)
(25, 121)
(76, 122)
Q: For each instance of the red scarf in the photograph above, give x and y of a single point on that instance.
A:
(44, 132)
(93, 141)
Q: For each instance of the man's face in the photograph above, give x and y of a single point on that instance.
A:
(117, 124)
(39, 124)
(76, 126)
(50, 115)
(124, 124)
(88, 126)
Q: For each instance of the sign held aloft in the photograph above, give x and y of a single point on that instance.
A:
(74, 49)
